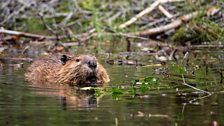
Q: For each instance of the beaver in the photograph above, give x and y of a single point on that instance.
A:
(67, 69)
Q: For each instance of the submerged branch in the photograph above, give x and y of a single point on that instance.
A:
(203, 91)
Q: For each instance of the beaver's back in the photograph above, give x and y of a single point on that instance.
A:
(43, 70)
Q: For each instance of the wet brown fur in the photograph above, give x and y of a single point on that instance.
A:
(74, 72)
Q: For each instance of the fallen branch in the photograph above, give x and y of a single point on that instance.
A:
(22, 34)
(82, 36)
(146, 11)
(176, 23)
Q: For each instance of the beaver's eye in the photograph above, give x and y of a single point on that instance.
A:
(64, 59)
(77, 60)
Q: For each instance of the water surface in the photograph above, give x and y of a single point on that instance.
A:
(23, 104)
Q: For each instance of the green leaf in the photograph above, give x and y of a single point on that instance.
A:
(150, 80)
(97, 92)
(144, 87)
(116, 92)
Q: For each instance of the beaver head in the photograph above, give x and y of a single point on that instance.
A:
(78, 70)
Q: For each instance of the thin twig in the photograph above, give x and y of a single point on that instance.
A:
(147, 10)
(203, 91)
(165, 12)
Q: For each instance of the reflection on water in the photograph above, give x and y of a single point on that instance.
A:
(68, 97)
(22, 103)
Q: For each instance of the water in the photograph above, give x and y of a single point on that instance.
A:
(24, 104)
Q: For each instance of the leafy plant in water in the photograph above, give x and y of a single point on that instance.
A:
(97, 92)
(147, 83)
(151, 80)
(144, 87)
(116, 92)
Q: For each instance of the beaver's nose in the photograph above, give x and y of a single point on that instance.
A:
(92, 63)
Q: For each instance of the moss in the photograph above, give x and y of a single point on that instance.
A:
(199, 31)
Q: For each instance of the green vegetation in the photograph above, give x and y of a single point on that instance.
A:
(97, 92)
(200, 30)
(32, 25)
(106, 16)
(195, 74)
(117, 92)
(140, 86)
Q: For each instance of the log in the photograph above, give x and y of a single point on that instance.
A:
(176, 23)
(22, 34)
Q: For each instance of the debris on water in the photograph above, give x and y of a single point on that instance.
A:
(140, 114)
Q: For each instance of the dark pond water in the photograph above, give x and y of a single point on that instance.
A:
(169, 104)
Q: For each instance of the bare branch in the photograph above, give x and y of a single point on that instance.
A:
(176, 23)
(164, 11)
(22, 34)
(146, 11)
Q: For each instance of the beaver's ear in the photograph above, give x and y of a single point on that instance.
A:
(64, 59)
